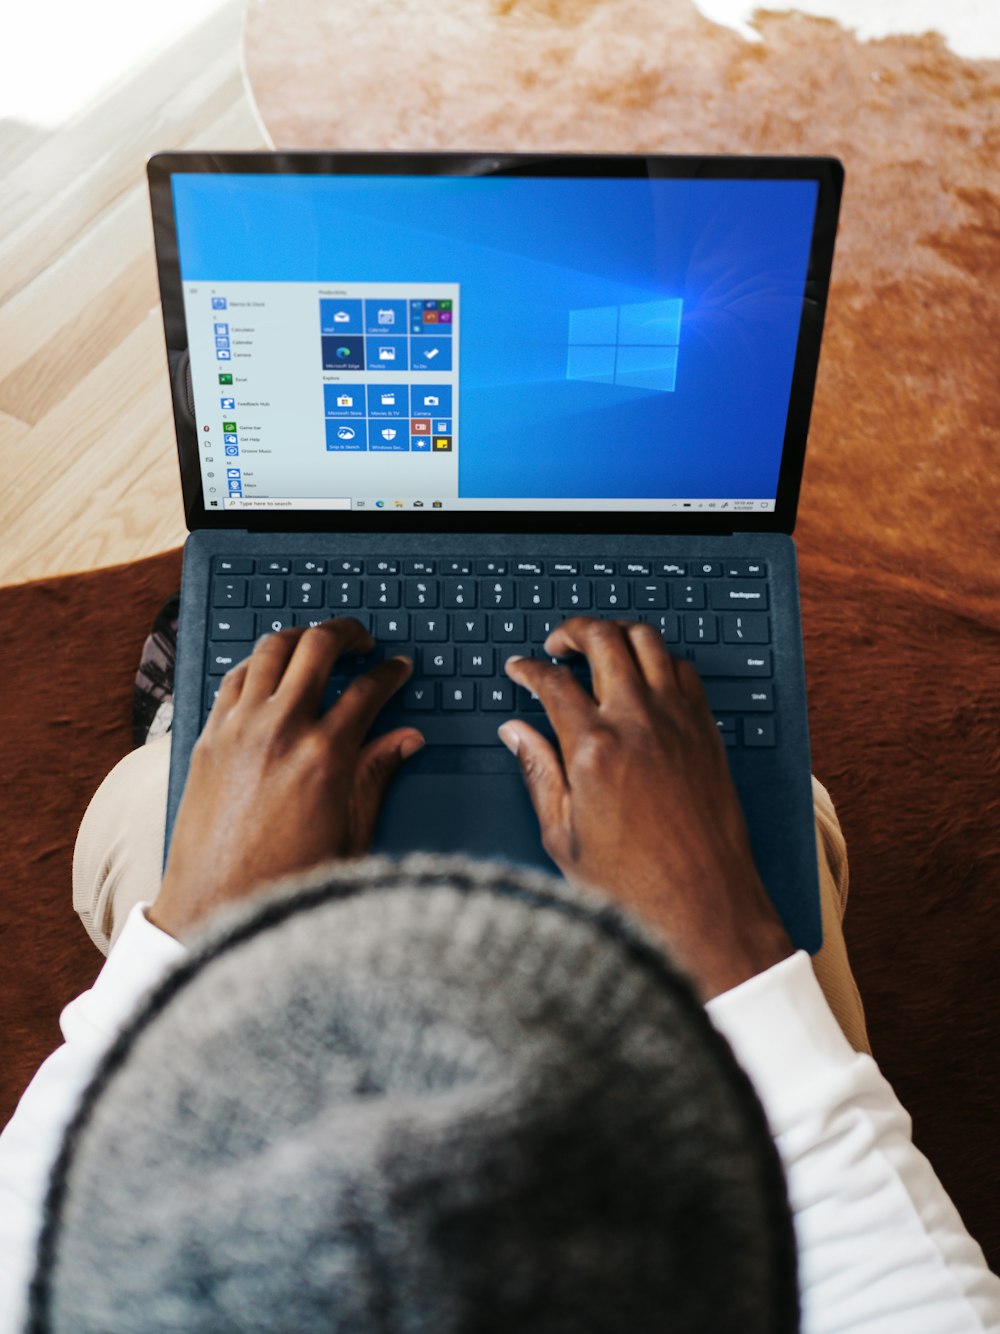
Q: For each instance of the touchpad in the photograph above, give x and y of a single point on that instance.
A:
(484, 815)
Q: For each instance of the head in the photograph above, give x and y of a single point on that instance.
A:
(429, 1095)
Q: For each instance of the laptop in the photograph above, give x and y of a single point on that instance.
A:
(464, 396)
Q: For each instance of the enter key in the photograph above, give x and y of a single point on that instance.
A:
(718, 661)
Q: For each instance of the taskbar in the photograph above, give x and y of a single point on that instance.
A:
(739, 504)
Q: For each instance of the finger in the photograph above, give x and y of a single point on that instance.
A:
(653, 660)
(267, 663)
(613, 669)
(568, 705)
(546, 782)
(316, 651)
(359, 705)
(689, 684)
(377, 765)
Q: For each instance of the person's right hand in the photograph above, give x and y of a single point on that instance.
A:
(642, 804)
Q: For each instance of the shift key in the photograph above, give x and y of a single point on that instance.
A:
(739, 696)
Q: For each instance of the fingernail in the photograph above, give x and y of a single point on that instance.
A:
(514, 657)
(401, 657)
(508, 735)
(410, 746)
(262, 638)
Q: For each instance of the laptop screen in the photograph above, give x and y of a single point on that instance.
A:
(505, 343)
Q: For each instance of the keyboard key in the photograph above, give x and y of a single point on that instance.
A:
(508, 627)
(536, 593)
(707, 569)
(611, 594)
(419, 695)
(732, 661)
(305, 593)
(421, 593)
(231, 625)
(458, 695)
(636, 568)
(438, 661)
(268, 593)
(459, 728)
(497, 593)
(564, 567)
(497, 696)
(345, 565)
(753, 628)
(232, 565)
(526, 567)
(270, 622)
(491, 567)
(430, 626)
(310, 619)
(739, 697)
(383, 593)
(276, 565)
(745, 569)
(222, 658)
(668, 624)
(758, 731)
(528, 701)
(593, 567)
(418, 567)
(476, 661)
(452, 567)
(212, 693)
(687, 595)
(382, 565)
(354, 664)
(747, 596)
(458, 593)
(393, 626)
(649, 592)
(541, 626)
(229, 593)
(701, 627)
(573, 595)
(344, 592)
(309, 567)
(670, 569)
(470, 627)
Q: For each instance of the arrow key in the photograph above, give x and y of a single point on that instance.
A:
(758, 731)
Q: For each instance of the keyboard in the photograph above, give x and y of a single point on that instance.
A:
(459, 620)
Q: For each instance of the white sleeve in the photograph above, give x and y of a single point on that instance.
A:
(31, 1138)
(882, 1248)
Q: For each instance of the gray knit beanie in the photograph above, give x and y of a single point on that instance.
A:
(422, 1097)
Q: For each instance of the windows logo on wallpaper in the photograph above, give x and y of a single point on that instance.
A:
(634, 346)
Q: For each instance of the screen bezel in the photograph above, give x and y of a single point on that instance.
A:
(826, 171)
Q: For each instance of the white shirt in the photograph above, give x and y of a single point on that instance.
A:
(882, 1249)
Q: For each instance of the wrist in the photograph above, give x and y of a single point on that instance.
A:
(719, 936)
(721, 970)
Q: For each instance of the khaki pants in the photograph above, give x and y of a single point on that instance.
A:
(118, 861)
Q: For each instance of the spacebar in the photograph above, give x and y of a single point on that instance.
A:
(455, 730)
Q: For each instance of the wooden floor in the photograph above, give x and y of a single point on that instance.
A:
(86, 434)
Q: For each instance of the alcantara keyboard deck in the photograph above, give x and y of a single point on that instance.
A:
(460, 619)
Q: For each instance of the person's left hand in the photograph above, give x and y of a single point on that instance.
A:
(274, 788)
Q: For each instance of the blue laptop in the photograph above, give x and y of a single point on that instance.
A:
(462, 397)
